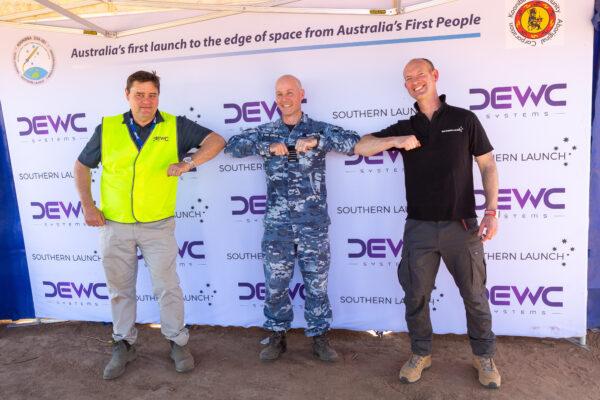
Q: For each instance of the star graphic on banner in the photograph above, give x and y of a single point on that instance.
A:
(192, 109)
(565, 139)
(574, 147)
(200, 211)
(564, 241)
(208, 292)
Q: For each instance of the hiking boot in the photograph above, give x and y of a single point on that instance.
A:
(487, 371)
(322, 348)
(122, 353)
(277, 345)
(184, 361)
(412, 369)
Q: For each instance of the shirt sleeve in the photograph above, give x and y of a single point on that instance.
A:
(91, 155)
(337, 139)
(479, 144)
(189, 135)
(400, 128)
(247, 143)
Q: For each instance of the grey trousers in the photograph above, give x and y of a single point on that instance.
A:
(456, 242)
(157, 242)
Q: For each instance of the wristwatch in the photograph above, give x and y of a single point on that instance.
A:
(188, 160)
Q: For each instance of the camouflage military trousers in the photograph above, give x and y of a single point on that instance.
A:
(281, 246)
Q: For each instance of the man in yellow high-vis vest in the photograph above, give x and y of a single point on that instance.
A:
(142, 153)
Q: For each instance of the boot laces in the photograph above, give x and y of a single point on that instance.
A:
(415, 360)
(486, 364)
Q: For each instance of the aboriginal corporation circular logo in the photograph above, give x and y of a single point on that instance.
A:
(34, 59)
(535, 21)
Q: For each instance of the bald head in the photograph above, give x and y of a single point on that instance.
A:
(423, 61)
(288, 79)
(288, 96)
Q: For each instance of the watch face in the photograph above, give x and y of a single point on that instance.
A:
(187, 159)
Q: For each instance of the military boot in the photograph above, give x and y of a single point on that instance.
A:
(184, 361)
(122, 353)
(412, 369)
(487, 372)
(322, 348)
(277, 345)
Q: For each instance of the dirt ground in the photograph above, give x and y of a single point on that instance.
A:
(65, 361)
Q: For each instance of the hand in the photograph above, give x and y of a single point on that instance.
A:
(488, 228)
(278, 149)
(178, 169)
(93, 216)
(407, 142)
(305, 144)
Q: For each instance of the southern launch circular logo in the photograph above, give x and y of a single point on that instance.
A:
(535, 19)
(34, 59)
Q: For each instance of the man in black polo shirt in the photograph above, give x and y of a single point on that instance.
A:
(438, 145)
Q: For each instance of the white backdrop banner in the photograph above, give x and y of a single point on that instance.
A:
(527, 75)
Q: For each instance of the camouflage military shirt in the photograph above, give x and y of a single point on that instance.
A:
(296, 191)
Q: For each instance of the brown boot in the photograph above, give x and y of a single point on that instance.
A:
(488, 373)
(122, 353)
(412, 369)
(277, 345)
(323, 350)
(184, 361)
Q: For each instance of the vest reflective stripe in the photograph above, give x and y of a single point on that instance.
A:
(134, 186)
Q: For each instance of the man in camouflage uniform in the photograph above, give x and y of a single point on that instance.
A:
(296, 222)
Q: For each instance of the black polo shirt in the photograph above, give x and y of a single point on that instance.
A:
(189, 136)
(439, 174)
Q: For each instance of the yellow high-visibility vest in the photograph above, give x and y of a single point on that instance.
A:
(134, 186)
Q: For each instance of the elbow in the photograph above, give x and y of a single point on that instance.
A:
(362, 149)
(221, 142)
(217, 141)
(359, 149)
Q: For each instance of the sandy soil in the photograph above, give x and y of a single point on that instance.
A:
(65, 361)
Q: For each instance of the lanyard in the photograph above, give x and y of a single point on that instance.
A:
(133, 128)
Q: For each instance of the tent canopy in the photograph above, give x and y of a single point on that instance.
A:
(91, 17)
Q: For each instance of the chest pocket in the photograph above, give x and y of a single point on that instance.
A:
(317, 183)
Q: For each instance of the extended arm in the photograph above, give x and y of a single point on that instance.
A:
(247, 143)
(369, 144)
(337, 139)
(212, 145)
(489, 178)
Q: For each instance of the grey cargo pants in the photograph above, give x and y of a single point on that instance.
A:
(456, 242)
